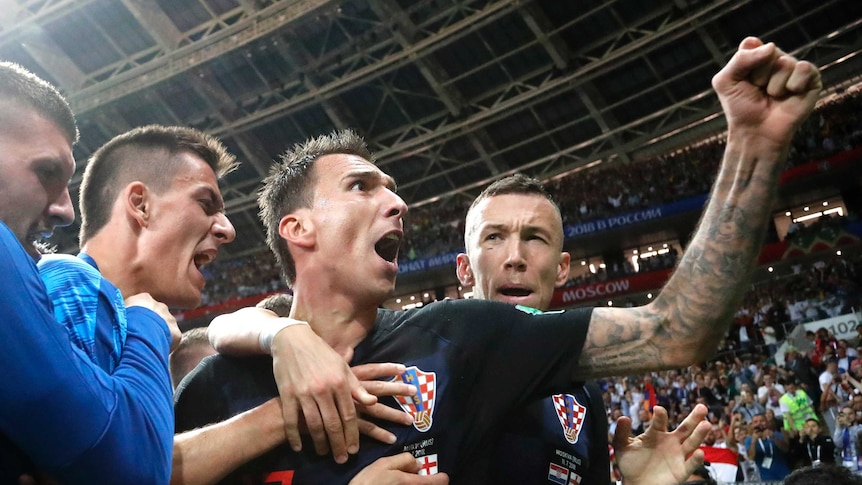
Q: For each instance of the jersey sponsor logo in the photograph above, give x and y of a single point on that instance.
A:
(558, 474)
(575, 479)
(420, 406)
(571, 415)
(428, 465)
(533, 311)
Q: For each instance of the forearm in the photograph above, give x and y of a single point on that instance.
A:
(52, 386)
(701, 297)
(694, 310)
(208, 454)
(238, 333)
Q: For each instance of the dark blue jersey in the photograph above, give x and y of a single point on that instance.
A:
(474, 362)
(558, 439)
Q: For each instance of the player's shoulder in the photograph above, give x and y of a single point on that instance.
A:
(65, 263)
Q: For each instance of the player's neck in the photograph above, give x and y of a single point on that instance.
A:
(339, 320)
(114, 261)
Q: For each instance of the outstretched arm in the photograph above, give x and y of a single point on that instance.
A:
(657, 456)
(765, 94)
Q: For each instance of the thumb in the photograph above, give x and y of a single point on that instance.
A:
(404, 462)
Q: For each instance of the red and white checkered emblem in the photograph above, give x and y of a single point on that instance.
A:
(571, 415)
(420, 406)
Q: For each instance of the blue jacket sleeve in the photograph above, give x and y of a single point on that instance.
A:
(72, 419)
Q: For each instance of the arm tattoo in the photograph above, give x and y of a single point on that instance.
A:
(694, 310)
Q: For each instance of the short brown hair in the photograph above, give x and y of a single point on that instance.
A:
(278, 303)
(518, 184)
(20, 86)
(290, 184)
(132, 156)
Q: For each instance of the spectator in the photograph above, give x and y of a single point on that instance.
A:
(767, 448)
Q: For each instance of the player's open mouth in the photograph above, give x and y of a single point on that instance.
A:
(387, 247)
(204, 258)
(515, 291)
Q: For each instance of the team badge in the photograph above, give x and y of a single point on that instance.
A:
(571, 415)
(420, 406)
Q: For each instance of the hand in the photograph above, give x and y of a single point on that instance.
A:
(368, 375)
(313, 378)
(657, 456)
(766, 92)
(145, 300)
(398, 469)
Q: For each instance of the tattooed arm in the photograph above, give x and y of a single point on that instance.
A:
(765, 94)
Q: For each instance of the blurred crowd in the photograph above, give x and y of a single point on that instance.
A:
(783, 392)
(582, 196)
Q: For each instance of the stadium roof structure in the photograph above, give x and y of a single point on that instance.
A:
(451, 94)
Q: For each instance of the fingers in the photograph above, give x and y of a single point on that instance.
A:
(382, 411)
(750, 43)
(289, 411)
(320, 418)
(659, 419)
(696, 438)
(376, 432)
(367, 372)
(694, 461)
(389, 388)
(405, 462)
(760, 62)
(438, 479)
(623, 433)
(782, 68)
(347, 411)
(805, 79)
(752, 62)
(691, 421)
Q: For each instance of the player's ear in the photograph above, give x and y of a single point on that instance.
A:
(563, 269)
(136, 200)
(463, 270)
(297, 228)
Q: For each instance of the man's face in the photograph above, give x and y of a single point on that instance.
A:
(514, 251)
(811, 428)
(186, 226)
(35, 167)
(357, 221)
(713, 435)
(758, 420)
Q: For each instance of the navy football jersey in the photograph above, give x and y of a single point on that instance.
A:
(560, 439)
(473, 362)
